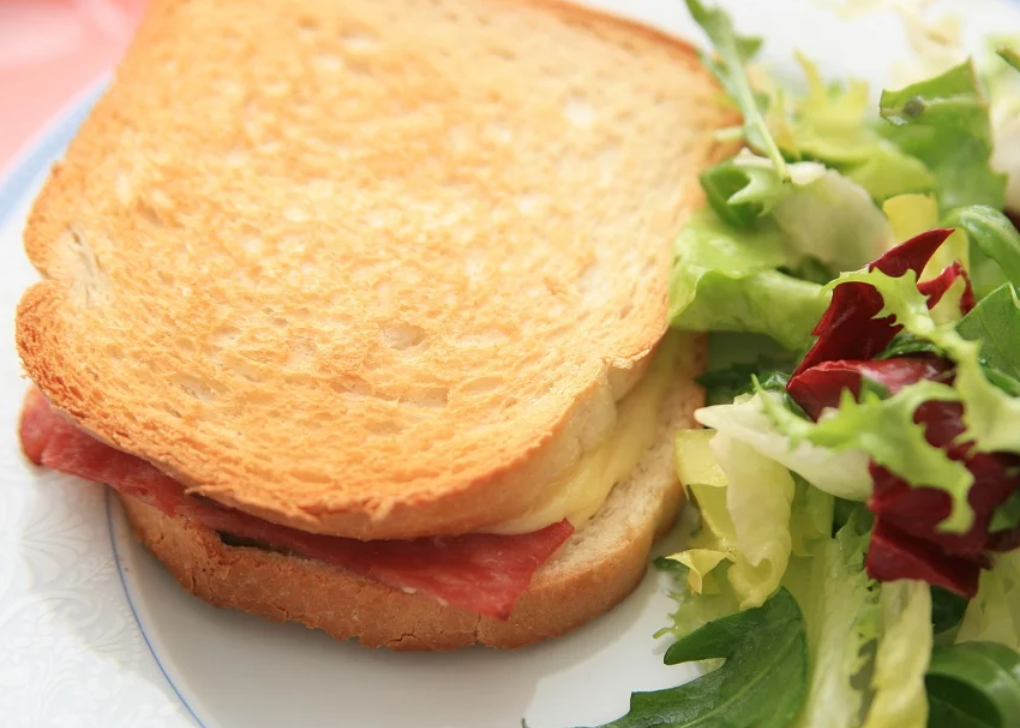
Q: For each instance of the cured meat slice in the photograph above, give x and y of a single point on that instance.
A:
(480, 573)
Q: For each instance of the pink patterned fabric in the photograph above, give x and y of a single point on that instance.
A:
(51, 50)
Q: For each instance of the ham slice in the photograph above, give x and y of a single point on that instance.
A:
(480, 573)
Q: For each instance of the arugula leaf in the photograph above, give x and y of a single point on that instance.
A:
(761, 684)
(1007, 516)
(722, 386)
(733, 52)
(974, 683)
(997, 258)
(995, 322)
(944, 122)
(908, 345)
(947, 610)
(727, 280)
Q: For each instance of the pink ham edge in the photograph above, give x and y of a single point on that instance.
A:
(483, 574)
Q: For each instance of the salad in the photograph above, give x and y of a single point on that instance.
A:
(857, 562)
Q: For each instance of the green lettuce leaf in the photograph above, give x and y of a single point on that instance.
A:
(758, 499)
(761, 684)
(902, 658)
(834, 220)
(744, 500)
(733, 51)
(727, 280)
(1010, 56)
(843, 474)
(811, 517)
(975, 684)
(951, 101)
(994, 614)
(743, 188)
(944, 122)
(841, 607)
(831, 123)
(825, 218)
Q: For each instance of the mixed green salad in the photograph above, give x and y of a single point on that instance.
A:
(858, 479)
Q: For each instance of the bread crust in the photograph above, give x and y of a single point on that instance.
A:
(442, 404)
(597, 568)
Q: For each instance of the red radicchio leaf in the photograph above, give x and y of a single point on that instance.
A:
(848, 329)
(936, 287)
(906, 541)
(821, 386)
(894, 555)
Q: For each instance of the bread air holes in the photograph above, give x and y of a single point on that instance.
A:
(592, 284)
(242, 367)
(302, 354)
(481, 339)
(252, 244)
(427, 397)
(358, 40)
(401, 336)
(308, 29)
(481, 386)
(384, 427)
(579, 112)
(194, 388)
(225, 337)
(328, 62)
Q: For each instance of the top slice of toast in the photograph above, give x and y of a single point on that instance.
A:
(369, 268)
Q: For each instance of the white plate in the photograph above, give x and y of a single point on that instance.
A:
(93, 632)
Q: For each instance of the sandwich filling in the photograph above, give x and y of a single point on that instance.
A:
(482, 573)
(579, 495)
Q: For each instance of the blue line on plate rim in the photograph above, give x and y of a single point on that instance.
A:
(22, 172)
(134, 612)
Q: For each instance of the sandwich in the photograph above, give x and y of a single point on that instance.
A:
(361, 308)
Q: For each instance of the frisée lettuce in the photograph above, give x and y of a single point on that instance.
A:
(859, 494)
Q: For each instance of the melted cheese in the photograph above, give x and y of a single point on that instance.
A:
(580, 494)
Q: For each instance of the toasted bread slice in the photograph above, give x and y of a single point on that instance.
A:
(591, 573)
(369, 269)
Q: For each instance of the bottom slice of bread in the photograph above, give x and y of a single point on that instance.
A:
(597, 567)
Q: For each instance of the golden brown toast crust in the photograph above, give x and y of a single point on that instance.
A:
(371, 269)
(594, 570)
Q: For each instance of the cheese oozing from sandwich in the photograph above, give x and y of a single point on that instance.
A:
(578, 495)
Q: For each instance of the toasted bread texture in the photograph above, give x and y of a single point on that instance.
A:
(370, 269)
(599, 566)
